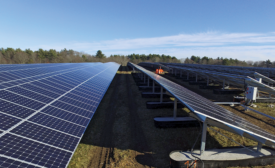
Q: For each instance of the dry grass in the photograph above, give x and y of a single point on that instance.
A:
(263, 107)
(124, 72)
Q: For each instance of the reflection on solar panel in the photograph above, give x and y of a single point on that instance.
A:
(203, 109)
(45, 109)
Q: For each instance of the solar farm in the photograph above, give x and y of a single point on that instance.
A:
(108, 115)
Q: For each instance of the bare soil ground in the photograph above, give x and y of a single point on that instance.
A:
(122, 131)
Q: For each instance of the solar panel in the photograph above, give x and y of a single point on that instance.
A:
(45, 109)
(203, 108)
(249, 71)
(233, 79)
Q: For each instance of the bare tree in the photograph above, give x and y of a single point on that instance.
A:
(20, 57)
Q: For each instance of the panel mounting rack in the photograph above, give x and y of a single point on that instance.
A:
(209, 113)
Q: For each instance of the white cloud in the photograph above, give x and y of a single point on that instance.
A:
(246, 46)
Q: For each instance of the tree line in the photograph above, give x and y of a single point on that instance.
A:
(137, 58)
(225, 61)
(27, 56)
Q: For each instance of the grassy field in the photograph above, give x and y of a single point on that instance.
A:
(122, 132)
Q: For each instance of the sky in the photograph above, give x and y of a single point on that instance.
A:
(242, 29)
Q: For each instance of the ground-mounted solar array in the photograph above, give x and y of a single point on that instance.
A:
(204, 108)
(238, 78)
(45, 109)
(248, 71)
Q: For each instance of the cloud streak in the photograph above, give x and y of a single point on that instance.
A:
(258, 45)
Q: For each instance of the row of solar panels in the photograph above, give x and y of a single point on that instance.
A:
(248, 71)
(206, 111)
(45, 109)
(229, 78)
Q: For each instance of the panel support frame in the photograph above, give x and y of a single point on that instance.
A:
(161, 94)
(144, 78)
(153, 87)
(259, 146)
(175, 109)
(203, 137)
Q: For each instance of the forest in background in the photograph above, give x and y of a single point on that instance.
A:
(225, 61)
(18, 56)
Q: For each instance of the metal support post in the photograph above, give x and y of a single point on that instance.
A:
(207, 80)
(259, 147)
(144, 78)
(148, 81)
(153, 86)
(203, 137)
(161, 94)
(223, 84)
(175, 108)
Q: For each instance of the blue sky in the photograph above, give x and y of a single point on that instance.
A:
(243, 29)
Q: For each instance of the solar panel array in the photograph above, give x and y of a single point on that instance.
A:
(249, 71)
(204, 108)
(232, 79)
(45, 109)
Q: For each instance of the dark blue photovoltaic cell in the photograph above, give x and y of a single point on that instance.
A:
(33, 152)
(61, 81)
(12, 83)
(46, 92)
(68, 80)
(76, 103)
(73, 109)
(5, 76)
(39, 84)
(93, 97)
(80, 99)
(58, 124)
(2, 87)
(30, 94)
(20, 100)
(90, 91)
(6, 121)
(5, 162)
(66, 115)
(46, 135)
(6, 84)
(55, 85)
(15, 110)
